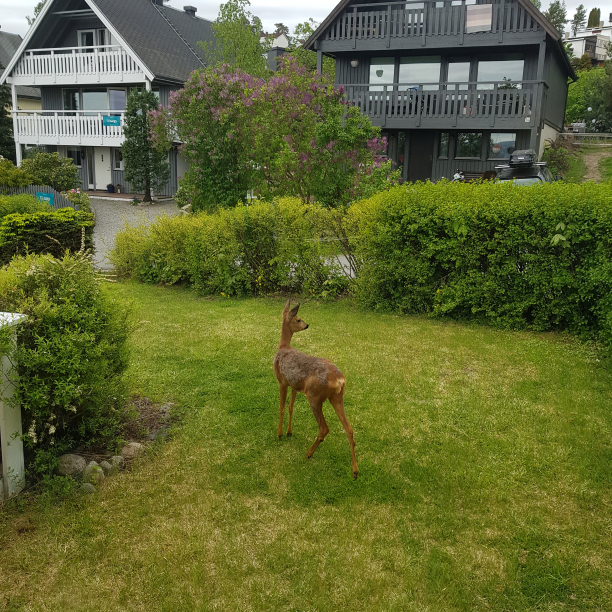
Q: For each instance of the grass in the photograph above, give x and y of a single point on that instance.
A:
(577, 167)
(605, 168)
(485, 480)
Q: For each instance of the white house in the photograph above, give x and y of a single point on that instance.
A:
(86, 56)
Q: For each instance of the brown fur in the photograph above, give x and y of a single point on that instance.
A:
(319, 379)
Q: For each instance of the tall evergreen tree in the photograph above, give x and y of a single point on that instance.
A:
(594, 18)
(579, 20)
(557, 14)
(145, 168)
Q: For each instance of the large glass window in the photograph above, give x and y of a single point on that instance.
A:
(71, 99)
(417, 71)
(382, 72)
(86, 39)
(74, 153)
(443, 148)
(500, 70)
(469, 144)
(116, 99)
(458, 72)
(118, 159)
(501, 145)
(95, 99)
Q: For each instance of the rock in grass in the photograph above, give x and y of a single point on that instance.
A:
(107, 468)
(88, 488)
(71, 465)
(93, 473)
(132, 450)
(117, 462)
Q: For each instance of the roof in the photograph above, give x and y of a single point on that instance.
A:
(164, 38)
(526, 4)
(9, 43)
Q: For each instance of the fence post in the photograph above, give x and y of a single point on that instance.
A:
(13, 469)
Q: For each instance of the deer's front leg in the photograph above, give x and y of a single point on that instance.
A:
(283, 401)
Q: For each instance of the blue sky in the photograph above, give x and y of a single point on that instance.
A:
(290, 12)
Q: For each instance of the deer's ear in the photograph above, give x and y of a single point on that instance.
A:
(293, 312)
(287, 306)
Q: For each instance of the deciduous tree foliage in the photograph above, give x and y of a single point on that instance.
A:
(146, 168)
(557, 14)
(291, 135)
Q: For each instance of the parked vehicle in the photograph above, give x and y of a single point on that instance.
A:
(524, 169)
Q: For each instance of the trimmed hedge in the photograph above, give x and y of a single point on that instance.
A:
(45, 232)
(509, 255)
(21, 204)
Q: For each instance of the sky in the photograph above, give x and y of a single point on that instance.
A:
(289, 12)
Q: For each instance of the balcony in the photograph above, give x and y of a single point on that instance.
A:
(84, 128)
(403, 25)
(70, 65)
(482, 105)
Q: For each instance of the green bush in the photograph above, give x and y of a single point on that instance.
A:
(53, 170)
(21, 204)
(45, 232)
(504, 254)
(79, 198)
(247, 250)
(72, 354)
(12, 176)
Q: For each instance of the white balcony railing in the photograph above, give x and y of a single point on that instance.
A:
(87, 128)
(66, 65)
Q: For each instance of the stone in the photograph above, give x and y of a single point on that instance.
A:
(88, 488)
(117, 462)
(132, 450)
(71, 465)
(93, 473)
(107, 468)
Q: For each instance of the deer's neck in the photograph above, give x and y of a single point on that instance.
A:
(285, 341)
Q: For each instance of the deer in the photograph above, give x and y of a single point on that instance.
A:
(319, 379)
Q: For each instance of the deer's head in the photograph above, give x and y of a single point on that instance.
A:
(290, 318)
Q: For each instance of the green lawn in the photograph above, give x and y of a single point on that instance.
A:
(485, 475)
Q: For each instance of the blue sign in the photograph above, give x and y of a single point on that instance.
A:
(110, 120)
(49, 198)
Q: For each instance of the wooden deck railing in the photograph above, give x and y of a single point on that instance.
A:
(421, 20)
(487, 102)
(72, 63)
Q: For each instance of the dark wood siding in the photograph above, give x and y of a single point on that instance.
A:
(118, 178)
(51, 98)
(556, 93)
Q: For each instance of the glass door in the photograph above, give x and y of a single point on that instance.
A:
(91, 179)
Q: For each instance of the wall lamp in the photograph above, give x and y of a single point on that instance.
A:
(354, 63)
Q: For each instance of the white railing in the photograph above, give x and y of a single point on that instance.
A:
(70, 127)
(74, 64)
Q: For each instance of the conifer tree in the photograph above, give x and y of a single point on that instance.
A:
(594, 17)
(579, 20)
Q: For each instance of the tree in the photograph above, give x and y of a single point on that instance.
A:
(281, 28)
(7, 142)
(53, 170)
(146, 167)
(579, 19)
(594, 18)
(557, 14)
(584, 63)
(569, 49)
(37, 9)
(307, 58)
(237, 40)
(536, 3)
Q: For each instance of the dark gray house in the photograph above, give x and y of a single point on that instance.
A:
(85, 56)
(454, 84)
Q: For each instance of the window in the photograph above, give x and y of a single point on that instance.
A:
(86, 40)
(72, 99)
(458, 72)
(491, 71)
(117, 159)
(116, 99)
(74, 153)
(382, 72)
(418, 71)
(501, 145)
(469, 144)
(95, 99)
(443, 148)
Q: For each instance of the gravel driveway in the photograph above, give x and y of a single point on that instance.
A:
(112, 215)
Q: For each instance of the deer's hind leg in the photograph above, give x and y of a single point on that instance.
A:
(291, 403)
(283, 403)
(337, 401)
(316, 405)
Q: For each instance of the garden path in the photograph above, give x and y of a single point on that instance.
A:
(592, 159)
(111, 217)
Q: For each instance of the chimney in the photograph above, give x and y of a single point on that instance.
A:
(601, 24)
(190, 10)
(566, 35)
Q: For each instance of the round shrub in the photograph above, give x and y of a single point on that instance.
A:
(71, 353)
(22, 204)
(53, 170)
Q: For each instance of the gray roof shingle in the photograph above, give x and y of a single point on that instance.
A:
(9, 43)
(168, 46)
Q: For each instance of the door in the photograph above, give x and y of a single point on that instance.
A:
(420, 155)
(103, 167)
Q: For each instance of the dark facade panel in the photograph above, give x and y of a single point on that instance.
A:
(51, 98)
(118, 178)
(556, 93)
